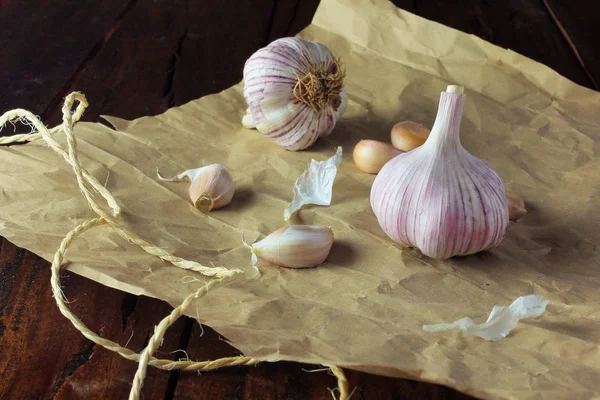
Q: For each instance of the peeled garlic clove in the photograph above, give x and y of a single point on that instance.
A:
(295, 246)
(295, 92)
(409, 135)
(516, 206)
(438, 197)
(371, 155)
(210, 187)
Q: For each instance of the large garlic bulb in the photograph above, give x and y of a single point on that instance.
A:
(439, 198)
(294, 89)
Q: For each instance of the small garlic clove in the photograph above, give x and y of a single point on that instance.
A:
(210, 187)
(295, 246)
(371, 155)
(408, 135)
(516, 206)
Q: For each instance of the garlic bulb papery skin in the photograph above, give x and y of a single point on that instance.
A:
(295, 246)
(210, 187)
(438, 197)
(294, 89)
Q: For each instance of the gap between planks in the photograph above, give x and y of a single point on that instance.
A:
(57, 101)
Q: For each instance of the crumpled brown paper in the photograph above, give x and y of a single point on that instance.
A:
(365, 306)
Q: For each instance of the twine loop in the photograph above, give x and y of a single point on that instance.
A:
(89, 187)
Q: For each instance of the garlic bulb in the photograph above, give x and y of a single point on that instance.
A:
(438, 197)
(294, 89)
(294, 246)
(210, 187)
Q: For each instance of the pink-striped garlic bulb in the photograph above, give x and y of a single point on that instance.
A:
(295, 92)
(438, 197)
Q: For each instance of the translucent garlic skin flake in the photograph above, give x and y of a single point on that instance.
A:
(501, 321)
(315, 185)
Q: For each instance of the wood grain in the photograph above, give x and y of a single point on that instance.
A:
(520, 25)
(44, 356)
(582, 28)
(44, 46)
(140, 57)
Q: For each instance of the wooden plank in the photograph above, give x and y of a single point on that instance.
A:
(291, 17)
(44, 356)
(582, 28)
(370, 386)
(107, 375)
(282, 380)
(201, 67)
(167, 53)
(44, 45)
(524, 26)
(206, 344)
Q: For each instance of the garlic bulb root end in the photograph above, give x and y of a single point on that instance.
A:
(320, 88)
(204, 203)
(295, 93)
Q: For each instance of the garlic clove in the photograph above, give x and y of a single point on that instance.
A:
(211, 187)
(295, 246)
(408, 135)
(438, 197)
(371, 155)
(516, 206)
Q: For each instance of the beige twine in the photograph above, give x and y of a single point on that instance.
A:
(220, 274)
(342, 382)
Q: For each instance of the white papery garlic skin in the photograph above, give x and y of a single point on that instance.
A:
(210, 187)
(438, 197)
(295, 246)
(294, 89)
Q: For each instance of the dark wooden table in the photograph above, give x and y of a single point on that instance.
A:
(139, 57)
